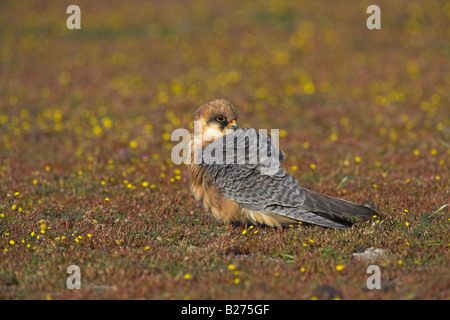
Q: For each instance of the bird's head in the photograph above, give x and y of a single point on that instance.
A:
(216, 118)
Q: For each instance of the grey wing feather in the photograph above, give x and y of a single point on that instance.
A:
(253, 188)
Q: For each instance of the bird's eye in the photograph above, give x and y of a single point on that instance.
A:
(220, 118)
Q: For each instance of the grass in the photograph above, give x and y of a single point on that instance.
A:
(85, 170)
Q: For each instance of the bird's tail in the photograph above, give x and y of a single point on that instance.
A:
(333, 209)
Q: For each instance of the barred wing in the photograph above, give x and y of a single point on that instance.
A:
(267, 188)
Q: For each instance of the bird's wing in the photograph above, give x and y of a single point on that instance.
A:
(244, 146)
(265, 187)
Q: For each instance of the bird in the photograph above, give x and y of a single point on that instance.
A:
(249, 192)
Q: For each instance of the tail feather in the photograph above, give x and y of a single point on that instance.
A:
(333, 208)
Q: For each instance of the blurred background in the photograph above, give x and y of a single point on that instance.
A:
(138, 69)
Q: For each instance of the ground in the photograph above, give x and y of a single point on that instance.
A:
(86, 174)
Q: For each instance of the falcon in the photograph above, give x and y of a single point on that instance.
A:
(235, 174)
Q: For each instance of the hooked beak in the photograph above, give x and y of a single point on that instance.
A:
(232, 125)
